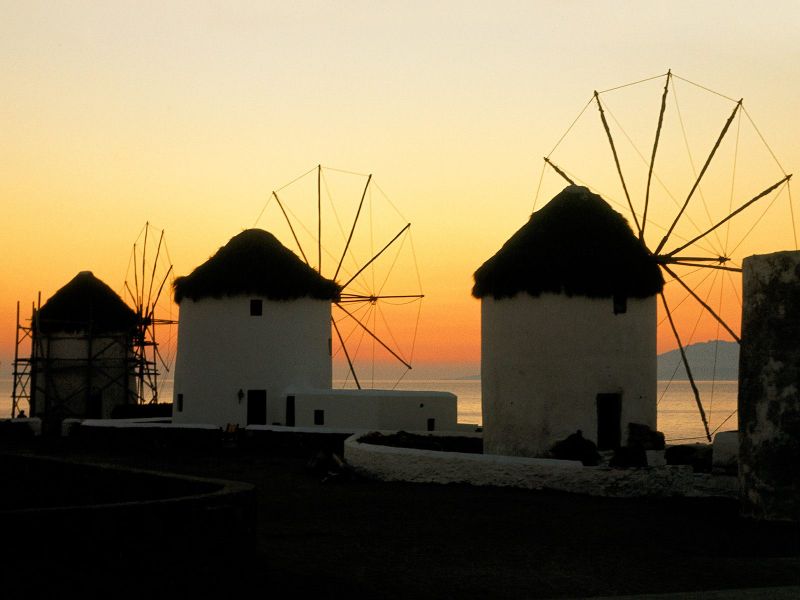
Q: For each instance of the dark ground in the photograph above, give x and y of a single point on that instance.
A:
(337, 537)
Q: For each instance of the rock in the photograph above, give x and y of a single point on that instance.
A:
(576, 447)
(725, 453)
(642, 435)
(629, 456)
(696, 455)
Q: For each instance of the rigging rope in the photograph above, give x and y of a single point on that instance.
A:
(390, 332)
(763, 214)
(766, 145)
(575, 120)
(539, 187)
(658, 179)
(345, 171)
(791, 212)
(733, 182)
(298, 178)
(708, 274)
(702, 87)
(617, 163)
(725, 420)
(394, 262)
(691, 161)
(619, 87)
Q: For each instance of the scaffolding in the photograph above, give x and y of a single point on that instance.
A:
(126, 361)
(21, 388)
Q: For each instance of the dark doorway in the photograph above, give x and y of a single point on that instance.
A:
(609, 415)
(94, 405)
(256, 407)
(290, 411)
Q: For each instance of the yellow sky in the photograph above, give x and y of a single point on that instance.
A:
(188, 114)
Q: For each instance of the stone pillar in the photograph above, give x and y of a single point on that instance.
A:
(769, 387)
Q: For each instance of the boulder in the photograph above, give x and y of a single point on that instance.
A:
(629, 456)
(642, 435)
(576, 447)
(725, 453)
(698, 456)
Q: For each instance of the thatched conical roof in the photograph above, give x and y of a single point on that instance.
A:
(576, 245)
(255, 263)
(85, 304)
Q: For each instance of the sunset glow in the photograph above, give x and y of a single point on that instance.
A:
(190, 115)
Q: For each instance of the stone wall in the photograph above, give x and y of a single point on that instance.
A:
(769, 382)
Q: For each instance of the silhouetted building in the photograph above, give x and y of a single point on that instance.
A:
(82, 352)
(568, 323)
(254, 348)
(254, 321)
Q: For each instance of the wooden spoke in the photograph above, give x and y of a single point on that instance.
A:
(363, 298)
(703, 266)
(346, 354)
(559, 171)
(700, 176)
(653, 156)
(375, 337)
(288, 222)
(353, 228)
(702, 303)
(155, 264)
(753, 200)
(144, 262)
(374, 258)
(695, 391)
(616, 161)
(158, 294)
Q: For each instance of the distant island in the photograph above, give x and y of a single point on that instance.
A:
(714, 359)
(708, 360)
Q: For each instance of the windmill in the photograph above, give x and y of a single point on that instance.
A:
(147, 288)
(695, 176)
(344, 226)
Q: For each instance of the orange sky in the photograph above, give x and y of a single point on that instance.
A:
(188, 114)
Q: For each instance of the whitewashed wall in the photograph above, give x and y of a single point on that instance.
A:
(545, 359)
(222, 349)
(389, 463)
(377, 409)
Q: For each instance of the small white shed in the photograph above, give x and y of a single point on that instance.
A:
(568, 323)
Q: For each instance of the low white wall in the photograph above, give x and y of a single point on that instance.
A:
(130, 424)
(426, 466)
(377, 409)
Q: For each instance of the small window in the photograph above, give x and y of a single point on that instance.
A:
(620, 304)
(256, 308)
(290, 411)
(431, 424)
(319, 417)
(180, 403)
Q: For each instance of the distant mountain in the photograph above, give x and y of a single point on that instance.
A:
(707, 360)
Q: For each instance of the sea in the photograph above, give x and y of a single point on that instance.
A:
(678, 415)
